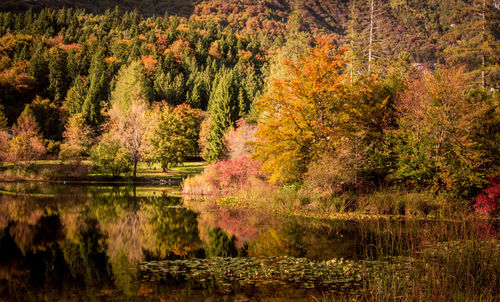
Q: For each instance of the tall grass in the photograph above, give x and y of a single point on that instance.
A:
(452, 262)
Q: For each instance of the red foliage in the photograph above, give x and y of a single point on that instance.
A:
(237, 172)
(229, 175)
(488, 201)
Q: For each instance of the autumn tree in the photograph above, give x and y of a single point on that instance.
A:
(26, 145)
(77, 138)
(436, 140)
(4, 136)
(315, 110)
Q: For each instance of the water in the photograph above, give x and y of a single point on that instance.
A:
(98, 243)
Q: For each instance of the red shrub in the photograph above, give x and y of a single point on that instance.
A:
(488, 201)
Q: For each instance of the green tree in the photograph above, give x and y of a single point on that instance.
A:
(76, 97)
(39, 67)
(98, 86)
(172, 134)
(223, 111)
(59, 80)
(49, 117)
(110, 157)
(474, 42)
(436, 141)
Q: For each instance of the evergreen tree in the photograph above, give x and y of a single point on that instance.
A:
(76, 97)
(474, 42)
(59, 80)
(39, 68)
(224, 112)
(98, 85)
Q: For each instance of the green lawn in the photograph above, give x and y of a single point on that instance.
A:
(58, 170)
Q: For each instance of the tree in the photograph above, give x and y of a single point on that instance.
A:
(129, 102)
(223, 111)
(77, 138)
(26, 145)
(98, 85)
(4, 136)
(436, 141)
(313, 111)
(59, 79)
(49, 117)
(474, 42)
(110, 157)
(76, 97)
(39, 67)
(172, 134)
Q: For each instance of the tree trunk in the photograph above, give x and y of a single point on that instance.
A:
(371, 38)
(135, 168)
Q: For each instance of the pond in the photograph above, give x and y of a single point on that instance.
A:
(98, 242)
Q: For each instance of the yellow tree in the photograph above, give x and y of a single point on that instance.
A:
(313, 111)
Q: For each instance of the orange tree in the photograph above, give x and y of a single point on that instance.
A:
(315, 110)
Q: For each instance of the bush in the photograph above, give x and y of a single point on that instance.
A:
(109, 157)
(488, 201)
(224, 177)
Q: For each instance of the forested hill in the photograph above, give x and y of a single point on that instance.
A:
(424, 28)
(145, 7)
(67, 60)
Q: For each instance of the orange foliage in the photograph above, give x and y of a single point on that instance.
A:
(310, 112)
(149, 64)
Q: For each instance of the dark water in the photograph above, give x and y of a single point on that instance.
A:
(76, 243)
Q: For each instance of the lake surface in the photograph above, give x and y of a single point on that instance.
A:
(103, 243)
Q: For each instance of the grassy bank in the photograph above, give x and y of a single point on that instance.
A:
(59, 171)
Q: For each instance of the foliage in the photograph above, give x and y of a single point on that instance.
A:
(49, 117)
(224, 111)
(237, 141)
(488, 201)
(129, 103)
(108, 156)
(316, 110)
(77, 138)
(436, 141)
(171, 134)
(224, 177)
(26, 145)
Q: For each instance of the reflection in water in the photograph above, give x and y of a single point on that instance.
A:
(87, 242)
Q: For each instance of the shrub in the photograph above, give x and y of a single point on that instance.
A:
(488, 201)
(110, 157)
(224, 177)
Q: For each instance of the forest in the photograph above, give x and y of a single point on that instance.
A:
(331, 97)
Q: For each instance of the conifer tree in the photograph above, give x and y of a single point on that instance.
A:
(475, 42)
(59, 80)
(224, 112)
(39, 68)
(98, 85)
(76, 97)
